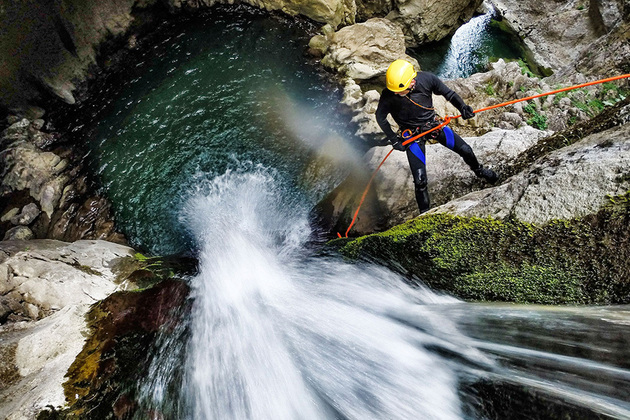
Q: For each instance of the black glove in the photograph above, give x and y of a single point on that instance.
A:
(467, 112)
(398, 144)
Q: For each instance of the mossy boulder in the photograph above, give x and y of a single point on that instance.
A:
(123, 327)
(584, 260)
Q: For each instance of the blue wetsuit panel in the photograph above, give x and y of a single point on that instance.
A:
(450, 140)
(415, 149)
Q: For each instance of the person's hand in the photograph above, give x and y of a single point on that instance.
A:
(467, 112)
(397, 143)
(399, 146)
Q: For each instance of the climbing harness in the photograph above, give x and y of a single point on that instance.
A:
(448, 119)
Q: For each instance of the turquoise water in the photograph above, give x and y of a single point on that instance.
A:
(470, 50)
(228, 91)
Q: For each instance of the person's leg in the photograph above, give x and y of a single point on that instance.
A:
(457, 144)
(417, 164)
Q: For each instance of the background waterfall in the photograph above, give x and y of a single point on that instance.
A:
(471, 48)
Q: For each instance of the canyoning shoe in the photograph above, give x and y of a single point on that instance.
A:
(487, 174)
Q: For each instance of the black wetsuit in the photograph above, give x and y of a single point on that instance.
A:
(415, 112)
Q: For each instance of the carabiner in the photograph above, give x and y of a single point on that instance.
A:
(406, 134)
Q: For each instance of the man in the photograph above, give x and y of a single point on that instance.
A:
(408, 99)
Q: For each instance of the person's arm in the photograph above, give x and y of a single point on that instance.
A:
(382, 110)
(441, 89)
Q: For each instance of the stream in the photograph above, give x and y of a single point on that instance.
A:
(220, 141)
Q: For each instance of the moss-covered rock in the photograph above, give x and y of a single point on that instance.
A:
(123, 327)
(584, 260)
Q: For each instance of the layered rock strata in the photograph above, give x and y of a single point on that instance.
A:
(45, 192)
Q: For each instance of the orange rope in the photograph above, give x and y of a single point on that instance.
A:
(448, 119)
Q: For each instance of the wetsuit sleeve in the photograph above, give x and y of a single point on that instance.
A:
(382, 110)
(441, 89)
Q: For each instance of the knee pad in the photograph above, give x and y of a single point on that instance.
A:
(421, 184)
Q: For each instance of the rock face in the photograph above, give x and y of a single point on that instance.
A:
(558, 33)
(571, 182)
(46, 288)
(392, 201)
(48, 47)
(49, 44)
(44, 193)
(427, 21)
(505, 132)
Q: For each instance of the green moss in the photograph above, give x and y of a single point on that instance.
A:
(536, 120)
(546, 285)
(489, 89)
(525, 68)
(576, 261)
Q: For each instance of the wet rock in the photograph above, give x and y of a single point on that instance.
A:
(582, 260)
(428, 21)
(27, 216)
(18, 233)
(49, 286)
(116, 353)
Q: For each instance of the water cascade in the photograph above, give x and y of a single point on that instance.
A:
(278, 331)
(469, 50)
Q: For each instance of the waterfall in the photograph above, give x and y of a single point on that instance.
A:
(461, 55)
(277, 333)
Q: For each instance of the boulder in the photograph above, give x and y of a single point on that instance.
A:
(365, 50)
(18, 233)
(52, 285)
(27, 215)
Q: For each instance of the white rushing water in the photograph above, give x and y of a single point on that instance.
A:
(460, 57)
(278, 333)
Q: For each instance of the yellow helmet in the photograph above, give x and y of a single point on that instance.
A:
(399, 75)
